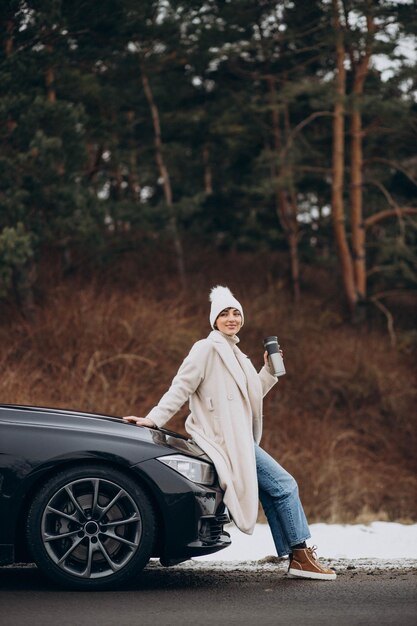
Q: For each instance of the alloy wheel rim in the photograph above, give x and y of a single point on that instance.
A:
(91, 528)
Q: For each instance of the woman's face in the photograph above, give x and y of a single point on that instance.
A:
(229, 321)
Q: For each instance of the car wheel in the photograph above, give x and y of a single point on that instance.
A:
(91, 528)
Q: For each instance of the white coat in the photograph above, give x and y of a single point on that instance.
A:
(225, 395)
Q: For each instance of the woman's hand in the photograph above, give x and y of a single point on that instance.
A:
(139, 421)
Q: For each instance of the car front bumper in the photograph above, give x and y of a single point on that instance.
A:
(190, 516)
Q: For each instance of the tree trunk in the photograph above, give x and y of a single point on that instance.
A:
(95, 153)
(50, 79)
(360, 70)
(293, 236)
(133, 179)
(8, 43)
(338, 157)
(8, 49)
(163, 172)
(295, 265)
(208, 178)
(358, 230)
(285, 202)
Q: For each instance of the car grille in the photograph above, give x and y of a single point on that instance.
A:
(211, 528)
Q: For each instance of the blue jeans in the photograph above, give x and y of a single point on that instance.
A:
(278, 493)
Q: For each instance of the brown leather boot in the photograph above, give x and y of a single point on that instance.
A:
(304, 564)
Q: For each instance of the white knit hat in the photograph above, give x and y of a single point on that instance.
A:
(222, 298)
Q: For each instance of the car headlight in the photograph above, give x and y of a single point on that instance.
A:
(196, 471)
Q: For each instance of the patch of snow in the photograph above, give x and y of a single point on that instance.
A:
(378, 540)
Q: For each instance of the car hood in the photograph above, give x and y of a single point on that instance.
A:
(100, 424)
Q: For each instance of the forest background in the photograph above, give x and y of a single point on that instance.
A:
(150, 150)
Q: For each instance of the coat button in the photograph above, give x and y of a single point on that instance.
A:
(230, 397)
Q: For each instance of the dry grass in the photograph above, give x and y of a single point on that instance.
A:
(343, 420)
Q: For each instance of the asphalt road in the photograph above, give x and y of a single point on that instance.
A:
(260, 596)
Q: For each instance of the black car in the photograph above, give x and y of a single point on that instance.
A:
(91, 499)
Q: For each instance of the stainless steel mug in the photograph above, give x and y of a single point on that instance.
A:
(275, 359)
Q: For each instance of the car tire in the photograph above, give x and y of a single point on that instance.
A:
(91, 527)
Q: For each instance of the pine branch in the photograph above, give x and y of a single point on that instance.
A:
(390, 319)
(297, 129)
(392, 164)
(383, 215)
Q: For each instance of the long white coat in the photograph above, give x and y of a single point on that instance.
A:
(225, 395)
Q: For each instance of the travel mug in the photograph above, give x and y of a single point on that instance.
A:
(275, 359)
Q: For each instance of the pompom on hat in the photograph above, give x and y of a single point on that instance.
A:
(222, 298)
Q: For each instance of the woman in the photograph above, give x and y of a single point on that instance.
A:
(225, 395)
